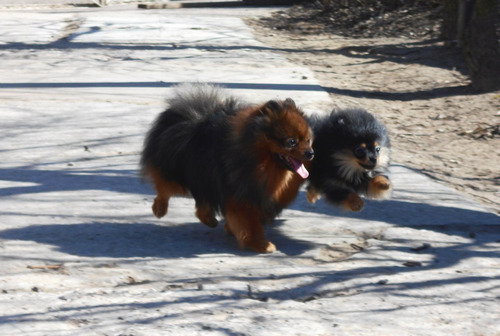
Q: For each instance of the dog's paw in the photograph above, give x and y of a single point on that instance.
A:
(353, 203)
(263, 247)
(381, 182)
(211, 222)
(206, 216)
(259, 245)
(160, 207)
(313, 195)
(380, 187)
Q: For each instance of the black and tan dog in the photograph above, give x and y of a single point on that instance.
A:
(352, 154)
(245, 162)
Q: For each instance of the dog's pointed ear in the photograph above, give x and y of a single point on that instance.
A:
(270, 108)
(290, 103)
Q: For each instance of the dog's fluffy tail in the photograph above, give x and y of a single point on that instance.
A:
(197, 100)
(189, 105)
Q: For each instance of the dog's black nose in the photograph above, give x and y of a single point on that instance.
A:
(373, 160)
(309, 154)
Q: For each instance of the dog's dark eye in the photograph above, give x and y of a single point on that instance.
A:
(377, 149)
(291, 143)
(360, 152)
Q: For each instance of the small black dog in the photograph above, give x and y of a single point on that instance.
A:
(352, 155)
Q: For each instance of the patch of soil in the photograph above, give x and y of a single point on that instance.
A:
(356, 18)
(415, 84)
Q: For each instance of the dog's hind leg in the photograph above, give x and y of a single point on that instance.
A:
(206, 215)
(164, 190)
(245, 222)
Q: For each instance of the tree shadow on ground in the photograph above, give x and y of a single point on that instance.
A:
(139, 239)
(176, 240)
(40, 181)
(409, 214)
(429, 53)
(136, 240)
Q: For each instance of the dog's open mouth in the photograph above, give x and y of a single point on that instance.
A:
(294, 165)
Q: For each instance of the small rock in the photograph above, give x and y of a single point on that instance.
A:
(422, 247)
(412, 263)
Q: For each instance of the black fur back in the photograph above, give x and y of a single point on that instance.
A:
(186, 141)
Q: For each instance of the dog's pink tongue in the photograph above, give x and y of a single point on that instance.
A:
(299, 168)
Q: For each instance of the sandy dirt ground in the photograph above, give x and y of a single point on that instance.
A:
(419, 89)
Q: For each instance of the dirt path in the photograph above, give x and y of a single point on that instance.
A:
(418, 88)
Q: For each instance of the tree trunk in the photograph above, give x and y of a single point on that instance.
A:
(450, 19)
(473, 24)
(482, 47)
